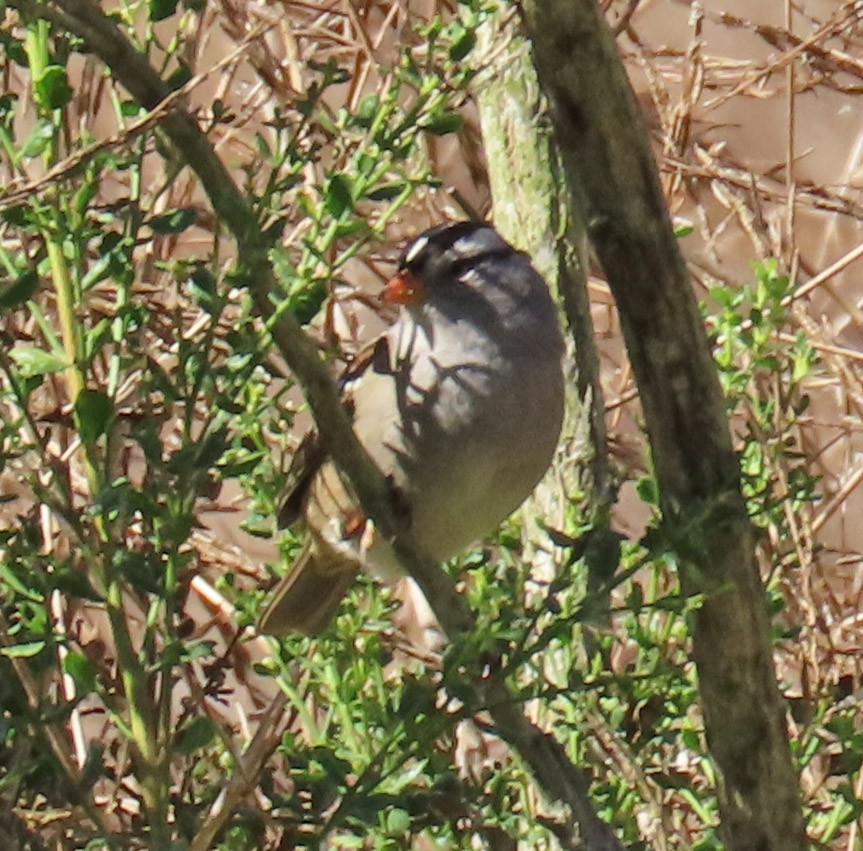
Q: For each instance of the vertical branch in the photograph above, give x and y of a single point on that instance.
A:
(613, 176)
(529, 194)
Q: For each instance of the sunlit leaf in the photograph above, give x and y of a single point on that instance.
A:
(32, 361)
(52, 89)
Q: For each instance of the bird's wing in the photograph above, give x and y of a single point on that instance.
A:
(311, 454)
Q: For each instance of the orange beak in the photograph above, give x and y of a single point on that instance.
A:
(403, 288)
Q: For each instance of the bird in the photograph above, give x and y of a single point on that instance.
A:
(460, 403)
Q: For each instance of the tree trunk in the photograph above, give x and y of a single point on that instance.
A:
(610, 167)
(530, 209)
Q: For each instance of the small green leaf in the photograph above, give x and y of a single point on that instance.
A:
(11, 578)
(462, 45)
(24, 651)
(32, 361)
(197, 650)
(97, 336)
(647, 490)
(367, 109)
(306, 303)
(131, 109)
(258, 526)
(74, 583)
(202, 289)
(161, 9)
(79, 667)
(351, 226)
(602, 555)
(38, 140)
(93, 412)
(52, 89)
(12, 47)
(198, 733)
(174, 221)
(179, 77)
(337, 196)
(19, 290)
(263, 146)
(398, 822)
(142, 570)
(97, 272)
(211, 449)
(387, 191)
(443, 123)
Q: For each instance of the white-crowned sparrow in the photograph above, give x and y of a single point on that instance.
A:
(459, 403)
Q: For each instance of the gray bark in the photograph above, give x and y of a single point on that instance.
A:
(610, 167)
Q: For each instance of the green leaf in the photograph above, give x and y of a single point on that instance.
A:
(443, 123)
(211, 449)
(178, 78)
(12, 47)
(648, 491)
(161, 9)
(141, 569)
(306, 303)
(202, 290)
(97, 272)
(11, 578)
(367, 110)
(174, 221)
(602, 555)
(351, 226)
(24, 651)
(32, 361)
(462, 45)
(387, 191)
(197, 650)
(97, 336)
(39, 139)
(93, 412)
(79, 667)
(198, 733)
(263, 146)
(52, 89)
(337, 196)
(398, 822)
(19, 290)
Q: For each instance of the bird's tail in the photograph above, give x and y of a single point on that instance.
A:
(307, 598)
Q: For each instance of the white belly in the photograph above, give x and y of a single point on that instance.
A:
(462, 466)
